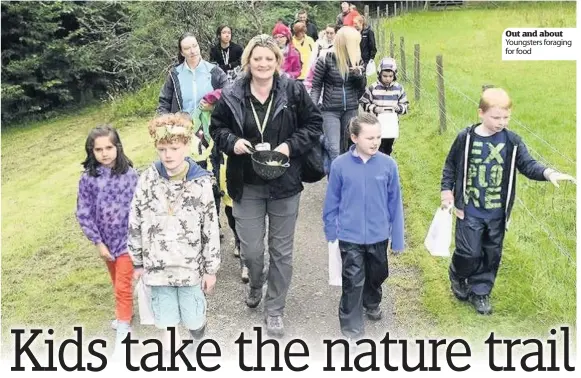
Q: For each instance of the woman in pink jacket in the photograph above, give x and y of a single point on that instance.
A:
(291, 64)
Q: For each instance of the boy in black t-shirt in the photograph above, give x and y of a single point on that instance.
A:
(479, 179)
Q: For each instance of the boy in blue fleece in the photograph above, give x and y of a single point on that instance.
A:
(479, 180)
(363, 210)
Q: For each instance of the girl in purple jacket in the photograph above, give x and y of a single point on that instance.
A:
(105, 192)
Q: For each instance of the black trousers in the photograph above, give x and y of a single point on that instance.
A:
(478, 252)
(232, 224)
(365, 269)
(386, 146)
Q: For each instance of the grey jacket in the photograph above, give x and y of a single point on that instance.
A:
(170, 96)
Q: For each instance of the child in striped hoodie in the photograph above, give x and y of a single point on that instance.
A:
(385, 95)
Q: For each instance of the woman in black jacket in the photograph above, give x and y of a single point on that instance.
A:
(340, 75)
(226, 54)
(263, 107)
(368, 46)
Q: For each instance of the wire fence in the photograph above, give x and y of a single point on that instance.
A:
(545, 206)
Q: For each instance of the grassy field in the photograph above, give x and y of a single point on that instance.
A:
(536, 286)
(43, 270)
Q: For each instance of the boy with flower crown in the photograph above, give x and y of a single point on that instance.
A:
(173, 229)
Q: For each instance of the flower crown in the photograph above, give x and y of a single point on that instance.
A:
(171, 127)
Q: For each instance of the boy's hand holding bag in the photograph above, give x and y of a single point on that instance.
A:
(439, 237)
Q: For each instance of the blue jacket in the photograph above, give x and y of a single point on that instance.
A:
(363, 204)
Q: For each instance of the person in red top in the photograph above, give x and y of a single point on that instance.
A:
(349, 18)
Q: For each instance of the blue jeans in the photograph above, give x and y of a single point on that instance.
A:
(335, 126)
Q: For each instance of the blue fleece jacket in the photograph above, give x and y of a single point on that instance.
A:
(363, 204)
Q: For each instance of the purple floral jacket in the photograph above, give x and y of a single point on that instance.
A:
(103, 205)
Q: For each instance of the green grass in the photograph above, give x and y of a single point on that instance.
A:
(536, 285)
(45, 258)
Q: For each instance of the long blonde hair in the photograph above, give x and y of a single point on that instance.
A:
(262, 40)
(347, 49)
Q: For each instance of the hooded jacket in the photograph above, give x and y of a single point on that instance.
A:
(173, 227)
(518, 158)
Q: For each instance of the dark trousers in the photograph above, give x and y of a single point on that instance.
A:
(232, 224)
(386, 145)
(478, 252)
(365, 269)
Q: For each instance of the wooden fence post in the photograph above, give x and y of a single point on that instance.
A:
(441, 93)
(417, 70)
(402, 59)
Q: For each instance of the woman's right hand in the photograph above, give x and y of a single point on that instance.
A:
(241, 147)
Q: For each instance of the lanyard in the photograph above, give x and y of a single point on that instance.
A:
(226, 55)
(261, 128)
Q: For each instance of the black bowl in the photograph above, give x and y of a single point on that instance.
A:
(269, 172)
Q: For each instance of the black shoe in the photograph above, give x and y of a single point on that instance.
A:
(460, 290)
(374, 314)
(274, 326)
(199, 333)
(481, 303)
(254, 297)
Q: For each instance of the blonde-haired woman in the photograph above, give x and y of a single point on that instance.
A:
(341, 78)
(263, 109)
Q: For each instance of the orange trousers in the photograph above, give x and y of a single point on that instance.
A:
(121, 271)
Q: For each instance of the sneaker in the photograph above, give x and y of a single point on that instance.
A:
(274, 326)
(254, 297)
(237, 251)
(481, 303)
(374, 314)
(199, 333)
(244, 275)
(460, 289)
(123, 330)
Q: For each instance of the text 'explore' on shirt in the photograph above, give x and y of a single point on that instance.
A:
(485, 176)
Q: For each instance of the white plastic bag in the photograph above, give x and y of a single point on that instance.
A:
(370, 69)
(335, 264)
(144, 302)
(439, 237)
(389, 125)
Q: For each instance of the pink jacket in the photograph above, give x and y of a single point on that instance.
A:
(291, 65)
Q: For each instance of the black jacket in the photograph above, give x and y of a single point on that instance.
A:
(295, 120)
(368, 47)
(518, 157)
(338, 95)
(170, 96)
(234, 60)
